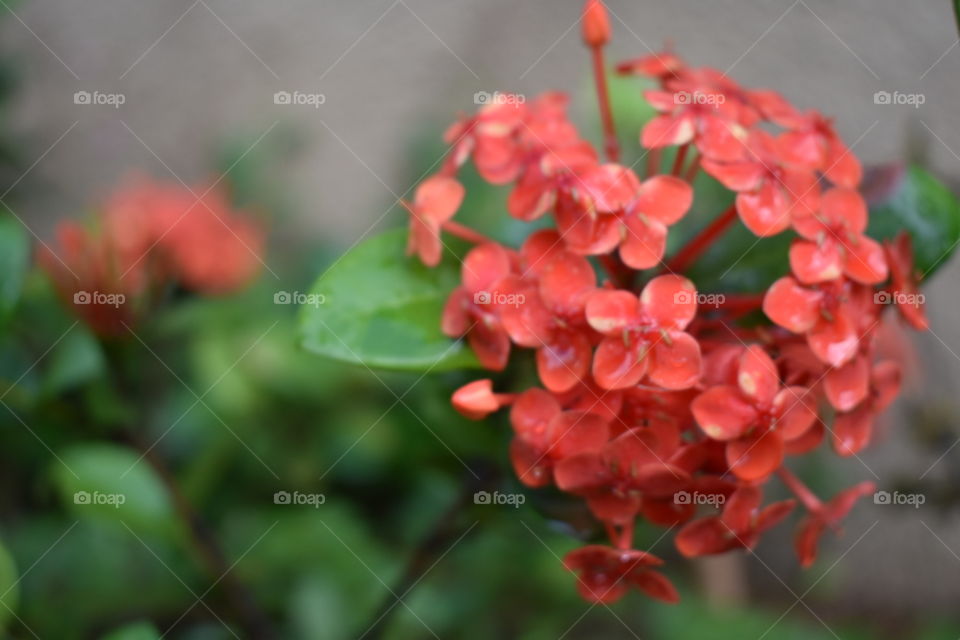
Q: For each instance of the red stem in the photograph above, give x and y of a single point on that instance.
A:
(653, 162)
(615, 270)
(468, 234)
(611, 146)
(803, 493)
(693, 249)
(692, 170)
(680, 158)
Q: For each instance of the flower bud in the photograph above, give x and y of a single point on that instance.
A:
(475, 400)
(596, 24)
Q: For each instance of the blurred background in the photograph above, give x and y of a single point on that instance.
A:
(194, 86)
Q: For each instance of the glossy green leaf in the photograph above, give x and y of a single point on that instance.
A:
(110, 482)
(378, 307)
(912, 199)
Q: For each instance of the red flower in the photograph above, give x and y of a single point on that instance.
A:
(471, 309)
(646, 337)
(813, 141)
(558, 170)
(618, 478)
(545, 435)
(212, 249)
(89, 278)
(906, 281)
(756, 417)
(828, 514)
(835, 244)
(827, 314)
(739, 526)
(435, 201)
(656, 65)
(692, 110)
(770, 190)
(605, 574)
(852, 431)
(550, 319)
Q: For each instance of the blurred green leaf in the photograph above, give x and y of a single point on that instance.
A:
(9, 590)
(136, 631)
(14, 262)
(913, 199)
(109, 482)
(382, 309)
(74, 361)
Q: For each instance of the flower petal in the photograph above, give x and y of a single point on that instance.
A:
(670, 301)
(848, 386)
(617, 365)
(813, 263)
(438, 197)
(664, 198)
(722, 413)
(675, 362)
(791, 306)
(765, 211)
(644, 244)
(610, 312)
(755, 457)
(757, 376)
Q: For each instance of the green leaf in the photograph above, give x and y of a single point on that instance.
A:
(109, 482)
(8, 586)
(14, 262)
(382, 309)
(914, 200)
(136, 631)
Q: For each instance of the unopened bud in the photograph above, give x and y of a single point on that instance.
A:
(596, 24)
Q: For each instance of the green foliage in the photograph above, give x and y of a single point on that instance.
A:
(922, 205)
(112, 483)
(14, 261)
(136, 631)
(378, 307)
(9, 588)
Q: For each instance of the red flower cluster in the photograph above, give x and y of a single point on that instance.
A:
(651, 405)
(150, 235)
